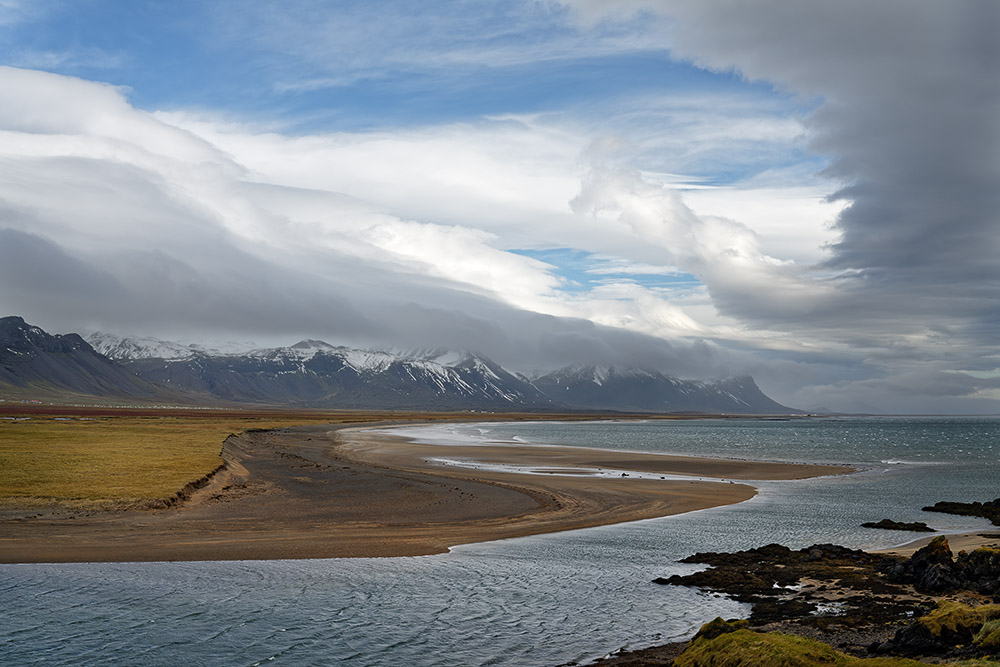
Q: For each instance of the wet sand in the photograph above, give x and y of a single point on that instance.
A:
(957, 542)
(324, 491)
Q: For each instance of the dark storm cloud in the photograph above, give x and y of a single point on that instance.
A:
(909, 117)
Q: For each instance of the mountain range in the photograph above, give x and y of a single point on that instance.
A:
(315, 374)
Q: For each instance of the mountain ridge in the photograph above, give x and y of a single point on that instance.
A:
(315, 374)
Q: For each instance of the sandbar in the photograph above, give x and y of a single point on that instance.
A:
(327, 491)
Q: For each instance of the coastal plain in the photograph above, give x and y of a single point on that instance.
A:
(325, 488)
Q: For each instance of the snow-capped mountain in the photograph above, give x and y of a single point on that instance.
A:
(118, 347)
(316, 374)
(313, 373)
(639, 390)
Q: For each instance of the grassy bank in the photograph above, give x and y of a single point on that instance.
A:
(126, 459)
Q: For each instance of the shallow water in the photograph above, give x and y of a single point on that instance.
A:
(540, 600)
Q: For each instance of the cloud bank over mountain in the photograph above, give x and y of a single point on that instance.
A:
(909, 118)
(805, 194)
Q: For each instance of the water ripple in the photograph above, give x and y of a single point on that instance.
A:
(545, 599)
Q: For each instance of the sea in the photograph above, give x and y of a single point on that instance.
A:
(544, 600)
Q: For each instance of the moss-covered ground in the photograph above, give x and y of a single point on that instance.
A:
(746, 648)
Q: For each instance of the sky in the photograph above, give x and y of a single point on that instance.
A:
(803, 192)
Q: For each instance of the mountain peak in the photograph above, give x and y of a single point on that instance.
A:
(309, 344)
(30, 357)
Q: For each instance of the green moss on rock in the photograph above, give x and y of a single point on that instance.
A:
(957, 622)
(718, 626)
(743, 648)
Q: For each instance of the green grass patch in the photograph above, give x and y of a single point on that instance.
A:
(988, 636)
(744, 647)
(955, 619)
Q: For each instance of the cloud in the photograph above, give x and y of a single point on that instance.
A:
(907, 117)
(316, 45)
(403, 232)
(13, 12)
(158, 230)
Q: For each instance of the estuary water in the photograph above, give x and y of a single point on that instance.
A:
(542, 600)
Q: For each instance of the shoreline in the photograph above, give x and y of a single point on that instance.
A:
(341, 491)
(961, 541)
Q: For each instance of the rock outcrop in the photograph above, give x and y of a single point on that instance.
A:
(889, 524)
(988, 510)
(950, 629)
(933, 569)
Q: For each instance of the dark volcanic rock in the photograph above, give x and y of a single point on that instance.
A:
(853, 600)
(980, 570)
(770, 578)
(857, 601)
(934, 570)
(889, 524)
(931, 569)
(988, 510)
(951, 628)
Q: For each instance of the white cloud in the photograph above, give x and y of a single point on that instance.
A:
(403, 236)
(790, 222)
(202, 227)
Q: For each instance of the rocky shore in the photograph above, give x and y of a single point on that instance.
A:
(827, 604)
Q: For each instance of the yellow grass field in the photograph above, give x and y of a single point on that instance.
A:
(117, 460)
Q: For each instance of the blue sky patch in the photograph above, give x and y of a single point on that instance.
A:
(584, 271)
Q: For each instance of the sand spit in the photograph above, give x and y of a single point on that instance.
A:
(330, 491)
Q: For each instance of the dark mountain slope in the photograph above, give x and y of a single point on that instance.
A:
(636, 390)
(29, 357)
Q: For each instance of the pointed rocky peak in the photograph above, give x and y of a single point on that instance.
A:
(19, 339)
(30, 357)
(14, 330)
